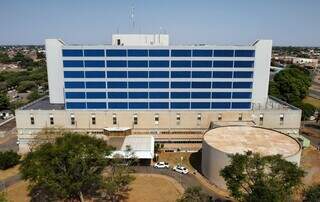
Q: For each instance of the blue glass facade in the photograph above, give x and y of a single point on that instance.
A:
(143, 79)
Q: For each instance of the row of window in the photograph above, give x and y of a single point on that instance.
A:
(156, 53)
(159, 63)
(157, 95)
(158, 74)
(156, 84)
(158, 105)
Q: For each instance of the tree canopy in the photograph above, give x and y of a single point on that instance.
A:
(4, 101)
(312, 194)
(252, 177)
(194, 194)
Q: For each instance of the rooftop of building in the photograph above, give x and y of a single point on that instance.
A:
(239, 139)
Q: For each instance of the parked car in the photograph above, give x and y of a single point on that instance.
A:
(180, 169)
(161, 164)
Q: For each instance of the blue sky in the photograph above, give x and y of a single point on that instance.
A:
(286, 22)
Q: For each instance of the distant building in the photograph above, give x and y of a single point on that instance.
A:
(306, 61)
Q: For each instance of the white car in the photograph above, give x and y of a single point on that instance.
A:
(161, 164)
(180, 169)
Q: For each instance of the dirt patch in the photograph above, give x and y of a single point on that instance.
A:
(18, 192)
(155, 188)
(310, 162)
(9, 172)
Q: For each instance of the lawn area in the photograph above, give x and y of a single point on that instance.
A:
(9, 172)
(315, 102)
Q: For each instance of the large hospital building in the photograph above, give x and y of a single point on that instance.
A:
(140, 84)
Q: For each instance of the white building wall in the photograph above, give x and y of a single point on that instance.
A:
(55, 70)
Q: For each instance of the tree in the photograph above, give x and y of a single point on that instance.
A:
(24, 86)
(307, 110)
(69, 168)
(251, 177)
(193, 194)
(4, 101)
(8, 159)
(312, 194)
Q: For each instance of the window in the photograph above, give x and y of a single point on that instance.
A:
(158, 53)
(180, 74)
(201, 74)
(240, 117)
(137, 63)
(202, 53)
(72, 53)
(201, 84)
(241, 105)
(116, 52)
(219, 117)
(138, 74)
(138, 84)
(244, 64)
(158, 84)
(138, 105)
(93, 119)
(200, 95)
(158, 63)
(242, 84)
(116, 74)
(158, 74)
(198, 118)
(76, 105)
(94, 53)
(221, 95)
(261, 119)
(118, 42)
(114, 119)
(118, 105)
(159, 105)
(241, 95)
(96, 105)
(137, 53)
(72, 63)
(180, 95)
(200, 105)
(180, 63)
(180, 105)
(51, 119)
(116, 63)
(180, 53)
(180, 84)
(95, 74)
(138, 95)
(202, 63)
(72, 119)
(245, 53)
(117, 84)
(135, 119)
(75, 95)
(245, 74)
(158, 95)
(94, 63)
(222, 74)
(222, 63)
(73, 74)
(223, 53)
(117, 95)
(221, 84)
(178, 118)
(220, 105)
(95, 84)
(156, 119)
(281, 119)
(31, 119)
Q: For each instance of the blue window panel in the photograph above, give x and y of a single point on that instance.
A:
(116, 53)
(137, 53)
(200, 95)
(95, 84)
(178, 84)
(74, 84)
(200, 105)
(201, 74)
(94, 53)
(241, 105)
(221, 95)
(223, 53)
(95, 74)
(201, 84)
(180, 74)
(245, 53)
(220, 105)
(73, 74)
(137, 63)
(158, 95)
(138, 95)
(158, 63)
(116, 74)
(72, 63)
(94, 63)
(180, 105)
(222, 74)
(75, 95)
(202, 53)
(117, 95)
(138, 105)
(138, 84)
(180, 95)
(241, 95)
(242, 84)
(222, 63)
(118, 105)
(158, 84)
(96, 95)
(158, 74)
(221, 84)
(75, 105)
(117, 84)
(72, 53)
(159, 105)
(180, 63)
(158, 53)
(137, 74)
(244, 64)
(96, 105)
(202, 63)
(116, 63)
(243, 74)
(180, 53)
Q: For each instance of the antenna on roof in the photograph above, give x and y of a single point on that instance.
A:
(132, 16)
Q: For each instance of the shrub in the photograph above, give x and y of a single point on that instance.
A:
(8, 159)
